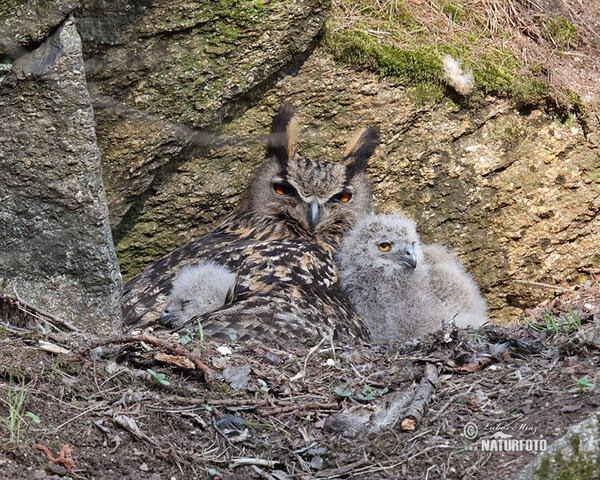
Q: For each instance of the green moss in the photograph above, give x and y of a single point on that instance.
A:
(400, 15)
(495, 72)
(575, 466)
(559, 30)
(426, 93)
(412, 66)
(410, 53)
(8, 7)
(530, 90)
(577, 106)
(453, 12)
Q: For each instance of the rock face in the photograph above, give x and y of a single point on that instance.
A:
(55, 239)
(574, 455)
(158, 70)
(515, 194)
(24, 23)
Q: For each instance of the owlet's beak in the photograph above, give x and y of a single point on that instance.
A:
(168, 315)
(406, 256)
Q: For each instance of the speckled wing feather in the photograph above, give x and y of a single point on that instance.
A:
(286, 289)
(145, 295)
(287, 292)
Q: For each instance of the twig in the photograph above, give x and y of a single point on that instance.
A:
(238, 462)
(313, 350)
(13, 329)
(543, 285)
(54, 318)
(416, 409)
(270, 407)
(306, 406)
(171, 347)
(95, 407)
(336, 472)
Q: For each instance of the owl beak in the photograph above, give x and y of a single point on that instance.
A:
(406, 256)
(313, 215)
(168, 315)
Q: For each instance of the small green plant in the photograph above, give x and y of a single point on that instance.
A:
(15, 422)
(583, 384)
(158, 377)
(33, 417)
(342, 393)
(57, 364)
(190, 336)
(552, 326)
(213, 472)
(232, 335)
(206, 407)
(369, 394)
(478, 334)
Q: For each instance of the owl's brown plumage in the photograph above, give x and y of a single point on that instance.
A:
(280, 242)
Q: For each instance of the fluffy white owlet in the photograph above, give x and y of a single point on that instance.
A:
(198, 289)
(401, 288)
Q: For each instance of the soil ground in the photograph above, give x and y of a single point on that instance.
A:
(274, 414)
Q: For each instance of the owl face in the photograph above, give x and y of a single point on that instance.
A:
(312, 198)
(386, 241)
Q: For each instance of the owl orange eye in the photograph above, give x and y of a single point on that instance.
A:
(385, 246)
(343, 197)
(283, 189)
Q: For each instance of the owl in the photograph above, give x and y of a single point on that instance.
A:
(401, 288)
(279, 241)
(198, 289)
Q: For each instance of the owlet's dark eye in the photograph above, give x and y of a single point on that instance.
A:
(283, 189)
(343, 197)
(384, 246)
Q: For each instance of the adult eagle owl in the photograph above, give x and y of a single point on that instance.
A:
(401, 288)
(280, 242)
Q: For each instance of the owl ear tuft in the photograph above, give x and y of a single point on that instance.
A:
(359, 150)
(284, 132)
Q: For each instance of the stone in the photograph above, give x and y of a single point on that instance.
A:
(575, 455)
(26, 23)
(55, 240)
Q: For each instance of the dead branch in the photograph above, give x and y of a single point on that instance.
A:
(336, 472)
(170, 347)
(64, 457)
(57, 320)
(271, 407)
(543, 285)
(420, 400)
(293, 408)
